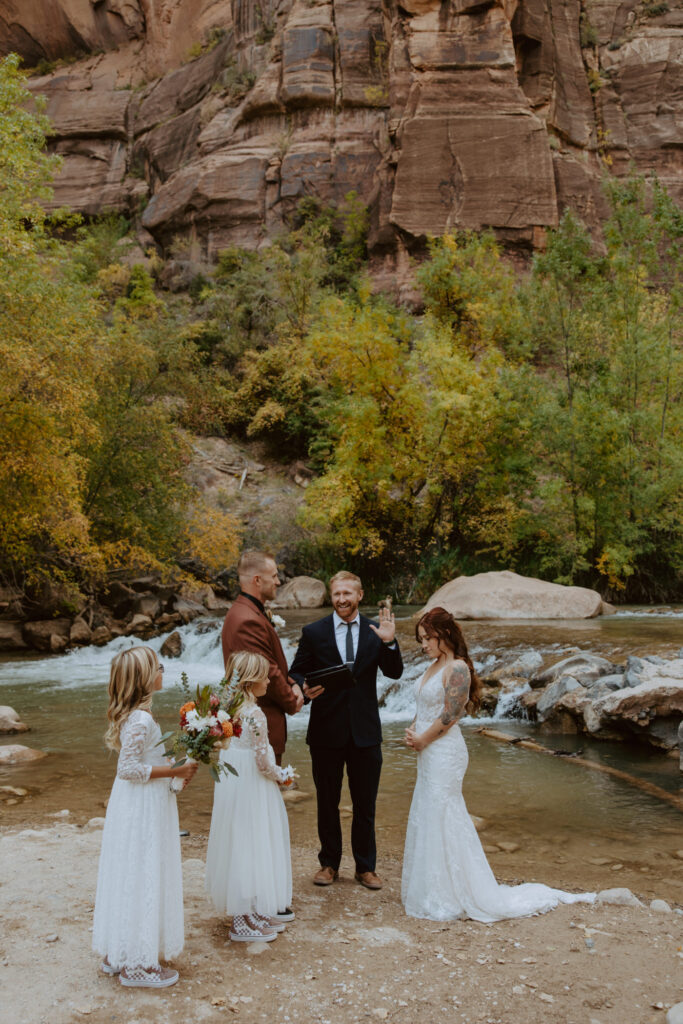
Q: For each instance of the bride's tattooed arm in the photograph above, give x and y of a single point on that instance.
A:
(456, 693)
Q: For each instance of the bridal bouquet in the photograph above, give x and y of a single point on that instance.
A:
(208, 720)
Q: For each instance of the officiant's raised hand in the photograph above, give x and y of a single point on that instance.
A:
(386, 630)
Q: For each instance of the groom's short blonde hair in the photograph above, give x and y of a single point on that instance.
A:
(252, 562)
(344, 575)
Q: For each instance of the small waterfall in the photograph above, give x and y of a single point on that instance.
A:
(202, 661)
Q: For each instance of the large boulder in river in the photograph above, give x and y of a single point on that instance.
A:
(506, 595)
(14, 753)
(301, 592)
(10, 721)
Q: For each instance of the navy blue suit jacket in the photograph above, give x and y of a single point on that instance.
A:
(352, 714)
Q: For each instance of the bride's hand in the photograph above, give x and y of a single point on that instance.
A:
(413, 740)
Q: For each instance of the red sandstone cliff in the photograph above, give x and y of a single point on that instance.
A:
(441, 115)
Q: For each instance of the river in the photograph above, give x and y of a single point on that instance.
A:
(557, 812)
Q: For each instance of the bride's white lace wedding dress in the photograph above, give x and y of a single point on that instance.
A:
(445, 871)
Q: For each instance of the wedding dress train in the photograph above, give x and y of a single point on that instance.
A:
(445, 871)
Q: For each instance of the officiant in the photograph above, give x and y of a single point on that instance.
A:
(344, 729)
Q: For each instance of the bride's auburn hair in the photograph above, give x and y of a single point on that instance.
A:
(439, 623)
(130, 686)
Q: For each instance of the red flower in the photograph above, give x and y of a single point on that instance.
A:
(214, 701)
(216, 730)
(236, 727)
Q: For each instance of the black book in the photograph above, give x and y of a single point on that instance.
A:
(335, 679)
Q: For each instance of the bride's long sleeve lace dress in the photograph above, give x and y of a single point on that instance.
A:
(248, 862)
(139, 902)
(445, 871)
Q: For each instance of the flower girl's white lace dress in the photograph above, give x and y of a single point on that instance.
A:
(139, 902)
(248, 865)
(445, 871)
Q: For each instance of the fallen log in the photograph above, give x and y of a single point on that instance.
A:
(527, 744)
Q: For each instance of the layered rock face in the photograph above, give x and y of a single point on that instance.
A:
(441, 114)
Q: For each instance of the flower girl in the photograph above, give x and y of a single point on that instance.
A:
(139, 901)
(248, 867)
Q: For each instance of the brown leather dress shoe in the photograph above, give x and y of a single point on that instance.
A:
(325, 876)
(369, 879)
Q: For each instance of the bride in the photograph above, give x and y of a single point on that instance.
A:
(445, 871)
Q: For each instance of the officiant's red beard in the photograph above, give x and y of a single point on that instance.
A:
(346, 596)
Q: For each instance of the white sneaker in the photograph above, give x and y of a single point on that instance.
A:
(107, 968)
(150, 977)
(285, 915)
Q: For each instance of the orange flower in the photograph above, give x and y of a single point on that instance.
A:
(187, 707)
(227, 730)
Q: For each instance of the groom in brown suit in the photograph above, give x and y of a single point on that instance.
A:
(247, 627)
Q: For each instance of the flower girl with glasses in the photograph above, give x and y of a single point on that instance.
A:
(139, 901)
(248, 866)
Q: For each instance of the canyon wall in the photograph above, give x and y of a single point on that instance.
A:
(212, 118)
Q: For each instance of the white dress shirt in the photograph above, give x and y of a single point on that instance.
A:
(340, 631)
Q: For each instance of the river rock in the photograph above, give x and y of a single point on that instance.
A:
(11, 636)
(604, 684)
(619, 898)
(552, 694)
(172, 646)
(301, 592)
(48, 635)
(660, 907)
(187, 609)
(10, 721)
(14, 753)
(651, 711)
(584, 667)
(100, 636)
(147, 604)
(120, 598)
(80, 632)
(140, 625)
(506, 595)
(217, 605)
(675, 1014)
(521, 668)
(634, 669)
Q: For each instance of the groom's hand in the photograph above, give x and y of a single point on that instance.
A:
(296, 690)
(386, 630)
(313, 691)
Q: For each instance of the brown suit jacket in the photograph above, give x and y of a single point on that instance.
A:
(246, 628)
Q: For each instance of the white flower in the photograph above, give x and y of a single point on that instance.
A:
(195, 723)
(222, 716)
(288, 773)
(192, 720)
(278, 621)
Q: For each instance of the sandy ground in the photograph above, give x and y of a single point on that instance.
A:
(350, 955)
